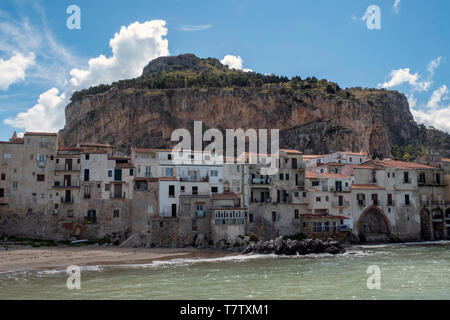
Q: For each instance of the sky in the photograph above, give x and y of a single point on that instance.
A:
(48, 50)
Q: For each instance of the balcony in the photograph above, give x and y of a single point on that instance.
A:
(40, 164)
(117, 196)
(66, 200)
(194, 179)
(264, 181)
(431, 183)
(66, 185)
(200, 213)
(184, 194)
(66, 167)
(390, 203)
(340, 203)
(340, 190)
(362, 203)
(406, 180)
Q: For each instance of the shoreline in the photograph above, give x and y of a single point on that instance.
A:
(18, 258)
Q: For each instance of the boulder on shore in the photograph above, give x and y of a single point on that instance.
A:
(294, 247)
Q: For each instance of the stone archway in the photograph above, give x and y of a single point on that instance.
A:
(438, 223)
(373, 225)
(426, 233)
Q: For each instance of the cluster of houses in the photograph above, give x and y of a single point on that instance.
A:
(91, 191)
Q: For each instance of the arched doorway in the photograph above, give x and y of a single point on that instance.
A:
(425, 225)
(373, 226)
(438, 223)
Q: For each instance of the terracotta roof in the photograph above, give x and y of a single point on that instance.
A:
(362, 166)
(40, 134)
(13, 142)
(366, 187)
(118, 158)
(312, 156)
(70, 149)
(95, 144)
(291, 151)
(317, 175)
(400, 164)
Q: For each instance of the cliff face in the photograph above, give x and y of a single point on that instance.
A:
(309, 119)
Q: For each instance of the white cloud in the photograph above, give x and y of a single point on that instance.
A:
(402, 76)
(234, 62)
(438, 118)
(411, 100)
(133, 47)
(195, 27)
(433, 65)
(13, 69)
(396, 6)
(437, 96)
(47, 115)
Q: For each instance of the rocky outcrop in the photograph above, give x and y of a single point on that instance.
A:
(313, 116)
(294, 247)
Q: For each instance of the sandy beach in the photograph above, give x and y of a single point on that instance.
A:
(18, 258)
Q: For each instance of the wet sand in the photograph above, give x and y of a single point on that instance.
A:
(18, 258)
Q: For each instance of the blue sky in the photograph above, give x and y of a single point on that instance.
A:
(42, 61)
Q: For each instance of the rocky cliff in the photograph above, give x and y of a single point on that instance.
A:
(315, 116)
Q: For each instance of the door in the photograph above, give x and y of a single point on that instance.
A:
(294, 163)
(68, 196)
(341, 200)
(68, 164)
(338, 185)
(2, 193)
(117, 174)
(118, 191)
(67, 180)
(174, 210)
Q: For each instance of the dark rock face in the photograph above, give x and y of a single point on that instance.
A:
(293, 247)
(310, 120)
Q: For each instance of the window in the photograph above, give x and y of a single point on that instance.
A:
(315, 183)
(406, 177)
(14, 186)
(131, 172)
(296, 194)
(87, 192)
(40, 177)
(287, 176)
(43, 143)
(194, 190)
(214, 189)
(169, 172)
(182, 188)
(107, 187)
(70, 213)
(296, 215)
(304, 194)
(318, 199)
(148, 171)
(91, 217)
(86, 174)
(214, 173)
(7, 156)
(281, 176)
(317, 226)
(389, 199)
(86, 156)
(438, 178)
(250, 217)
(350, 159)
(3, 176)
(326, 226)
(116, 213)
(30, 211)
(169, 156)
(274, 216)
(327, 198)
(171, 191)
(407, 201)
(161, 224)
(2, 193)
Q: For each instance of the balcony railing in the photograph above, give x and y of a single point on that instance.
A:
(261, 181)
(40, 163)
(375, 202)
(200, 213)
(194, 179)
(362, 203)
(194, 194)
(267, 200)
(73, 184)
(66, 167)
(406, 180)
(66, 200)
(391, 203)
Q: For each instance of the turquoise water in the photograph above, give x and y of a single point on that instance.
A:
(407, 272)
